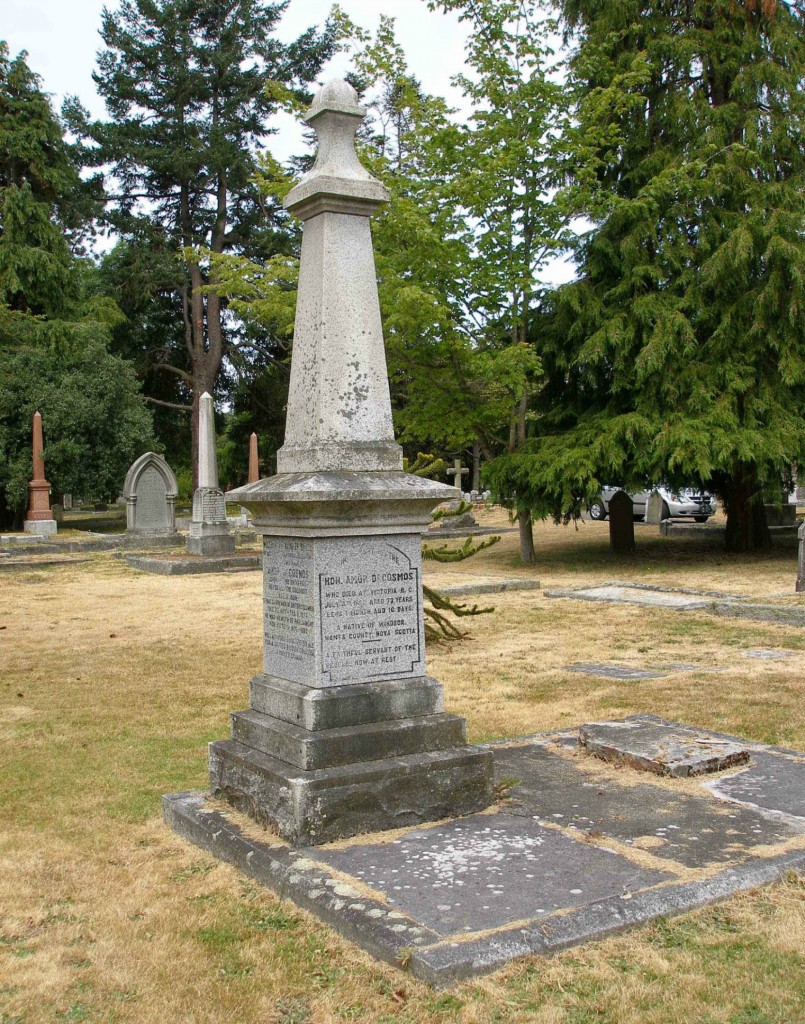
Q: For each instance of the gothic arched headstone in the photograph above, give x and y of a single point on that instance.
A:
(150, 491)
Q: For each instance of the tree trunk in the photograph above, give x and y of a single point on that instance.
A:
(528, 554)
(747, 529)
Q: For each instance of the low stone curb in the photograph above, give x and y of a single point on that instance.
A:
(496, 587)
(398, 939)
(186, 567)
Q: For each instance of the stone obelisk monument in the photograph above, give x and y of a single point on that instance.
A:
(254, 460)
(209, 530)
(39, 519)
(346, 733)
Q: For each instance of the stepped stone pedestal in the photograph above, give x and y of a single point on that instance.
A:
(346, 733)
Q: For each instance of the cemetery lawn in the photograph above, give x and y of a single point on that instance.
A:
(113, 681)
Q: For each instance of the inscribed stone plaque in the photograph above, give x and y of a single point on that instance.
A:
(151, 511)
(343, 610)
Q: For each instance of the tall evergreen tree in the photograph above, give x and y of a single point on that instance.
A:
(680, 351)
(44, 207)
(185, 84)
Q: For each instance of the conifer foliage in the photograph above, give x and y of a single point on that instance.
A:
(679, 354)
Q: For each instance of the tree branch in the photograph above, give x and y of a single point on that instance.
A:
(168, 405)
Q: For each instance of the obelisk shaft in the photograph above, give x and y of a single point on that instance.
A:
(207, 455)
(254, 460)
(39, 518)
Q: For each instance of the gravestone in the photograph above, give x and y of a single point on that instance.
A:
(346, 732)
(67, 502)
(209, 530)
(801, 559)
(621, 523)
(654, 508)
(254, 460)
(150, 491)
(58, 512)
(39, 519)
(457, 472)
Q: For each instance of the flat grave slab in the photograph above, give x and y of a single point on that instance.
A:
(736, 606)
(769, 654)
(194, 565)
(575, 851)
(772, 783)
(664, 749)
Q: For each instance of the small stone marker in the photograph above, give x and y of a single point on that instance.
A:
(254, 460)
(654, 508)
(150, 491)
(346, 733)
(660, 748)
(67, 502)
(801, 559)
(209, 530)
(457, 472)
(39, 519)
(621, 523)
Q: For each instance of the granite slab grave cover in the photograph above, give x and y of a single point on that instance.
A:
(342, 556)
(589, 668)
(535, 875)
(484, 872)
(660, 748)
(771, 783)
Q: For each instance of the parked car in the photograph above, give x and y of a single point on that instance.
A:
(685, 503)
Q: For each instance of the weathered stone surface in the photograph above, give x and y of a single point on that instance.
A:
(654, 509)
(195, 566)
(308, 808)
(662, 749)
(800, 587)
(589, 668)
(459, 897)
(768, 654)
(491, 587)
(695, 831)
(484, 872)
(328, 748)
(150, 491)
(621, 523)
(771, 783)
(314, 708)
(343, 610)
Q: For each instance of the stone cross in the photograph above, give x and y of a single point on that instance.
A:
(254, 460)
(457, 472)
(209, 529)
(39, 519)
(345, 726)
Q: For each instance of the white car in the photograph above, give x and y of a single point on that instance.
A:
(682, 504)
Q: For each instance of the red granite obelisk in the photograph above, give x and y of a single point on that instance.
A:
(40, 516)
(254, 462)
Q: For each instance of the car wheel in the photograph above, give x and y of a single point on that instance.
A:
(597, 510)
(665, 513)
(700, 519)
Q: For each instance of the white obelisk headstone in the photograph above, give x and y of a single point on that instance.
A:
(209, 529)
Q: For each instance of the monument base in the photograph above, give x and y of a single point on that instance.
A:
(210, 539)
(40, 527)
(320, 764)
(308, 808)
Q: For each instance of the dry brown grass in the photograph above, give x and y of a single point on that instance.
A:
(112, 681)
